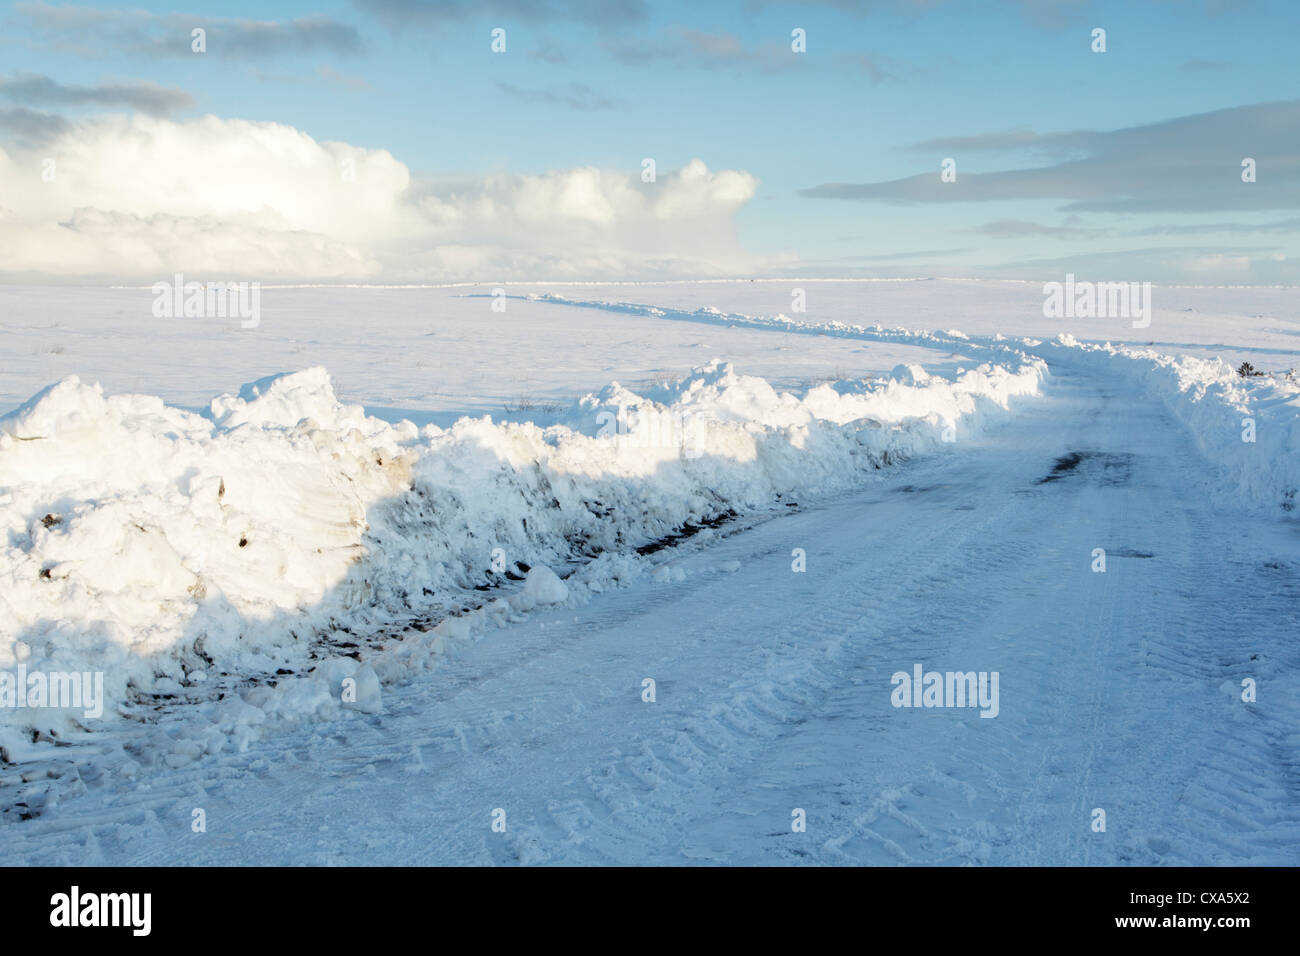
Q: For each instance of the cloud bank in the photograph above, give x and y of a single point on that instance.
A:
(1187, 164)
(137, 198)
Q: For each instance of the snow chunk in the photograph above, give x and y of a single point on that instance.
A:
(909, 374)
(369, 698)
(544, 586)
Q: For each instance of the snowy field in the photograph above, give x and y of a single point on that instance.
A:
(435, 354)
(398, 563)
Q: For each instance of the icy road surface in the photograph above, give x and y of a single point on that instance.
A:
(1119, 691)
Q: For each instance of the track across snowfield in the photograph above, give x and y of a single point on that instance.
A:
(1119, 691)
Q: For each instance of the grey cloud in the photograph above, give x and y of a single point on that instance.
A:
(314, 34)
(699, 48)
(1052, 15)
(1052, 144)
(1191, 163)
(35, 90)
(32, 127)
(605, 14)
(93, 32)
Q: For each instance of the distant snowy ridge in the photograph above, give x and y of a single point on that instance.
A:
(170, 549)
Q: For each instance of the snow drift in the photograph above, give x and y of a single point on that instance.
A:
(1247, 428)
(169, 549)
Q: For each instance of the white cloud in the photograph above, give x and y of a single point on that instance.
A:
(136, 198)
(589, 221)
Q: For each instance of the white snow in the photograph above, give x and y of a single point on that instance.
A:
(265, 577)
(151, 543)
(1247, 427)
(543, 586)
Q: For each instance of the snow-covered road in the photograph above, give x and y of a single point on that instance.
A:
(1118, 691)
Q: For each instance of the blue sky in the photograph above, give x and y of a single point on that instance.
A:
(885, 92)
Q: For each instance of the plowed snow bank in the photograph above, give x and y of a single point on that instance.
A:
(167, 548)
